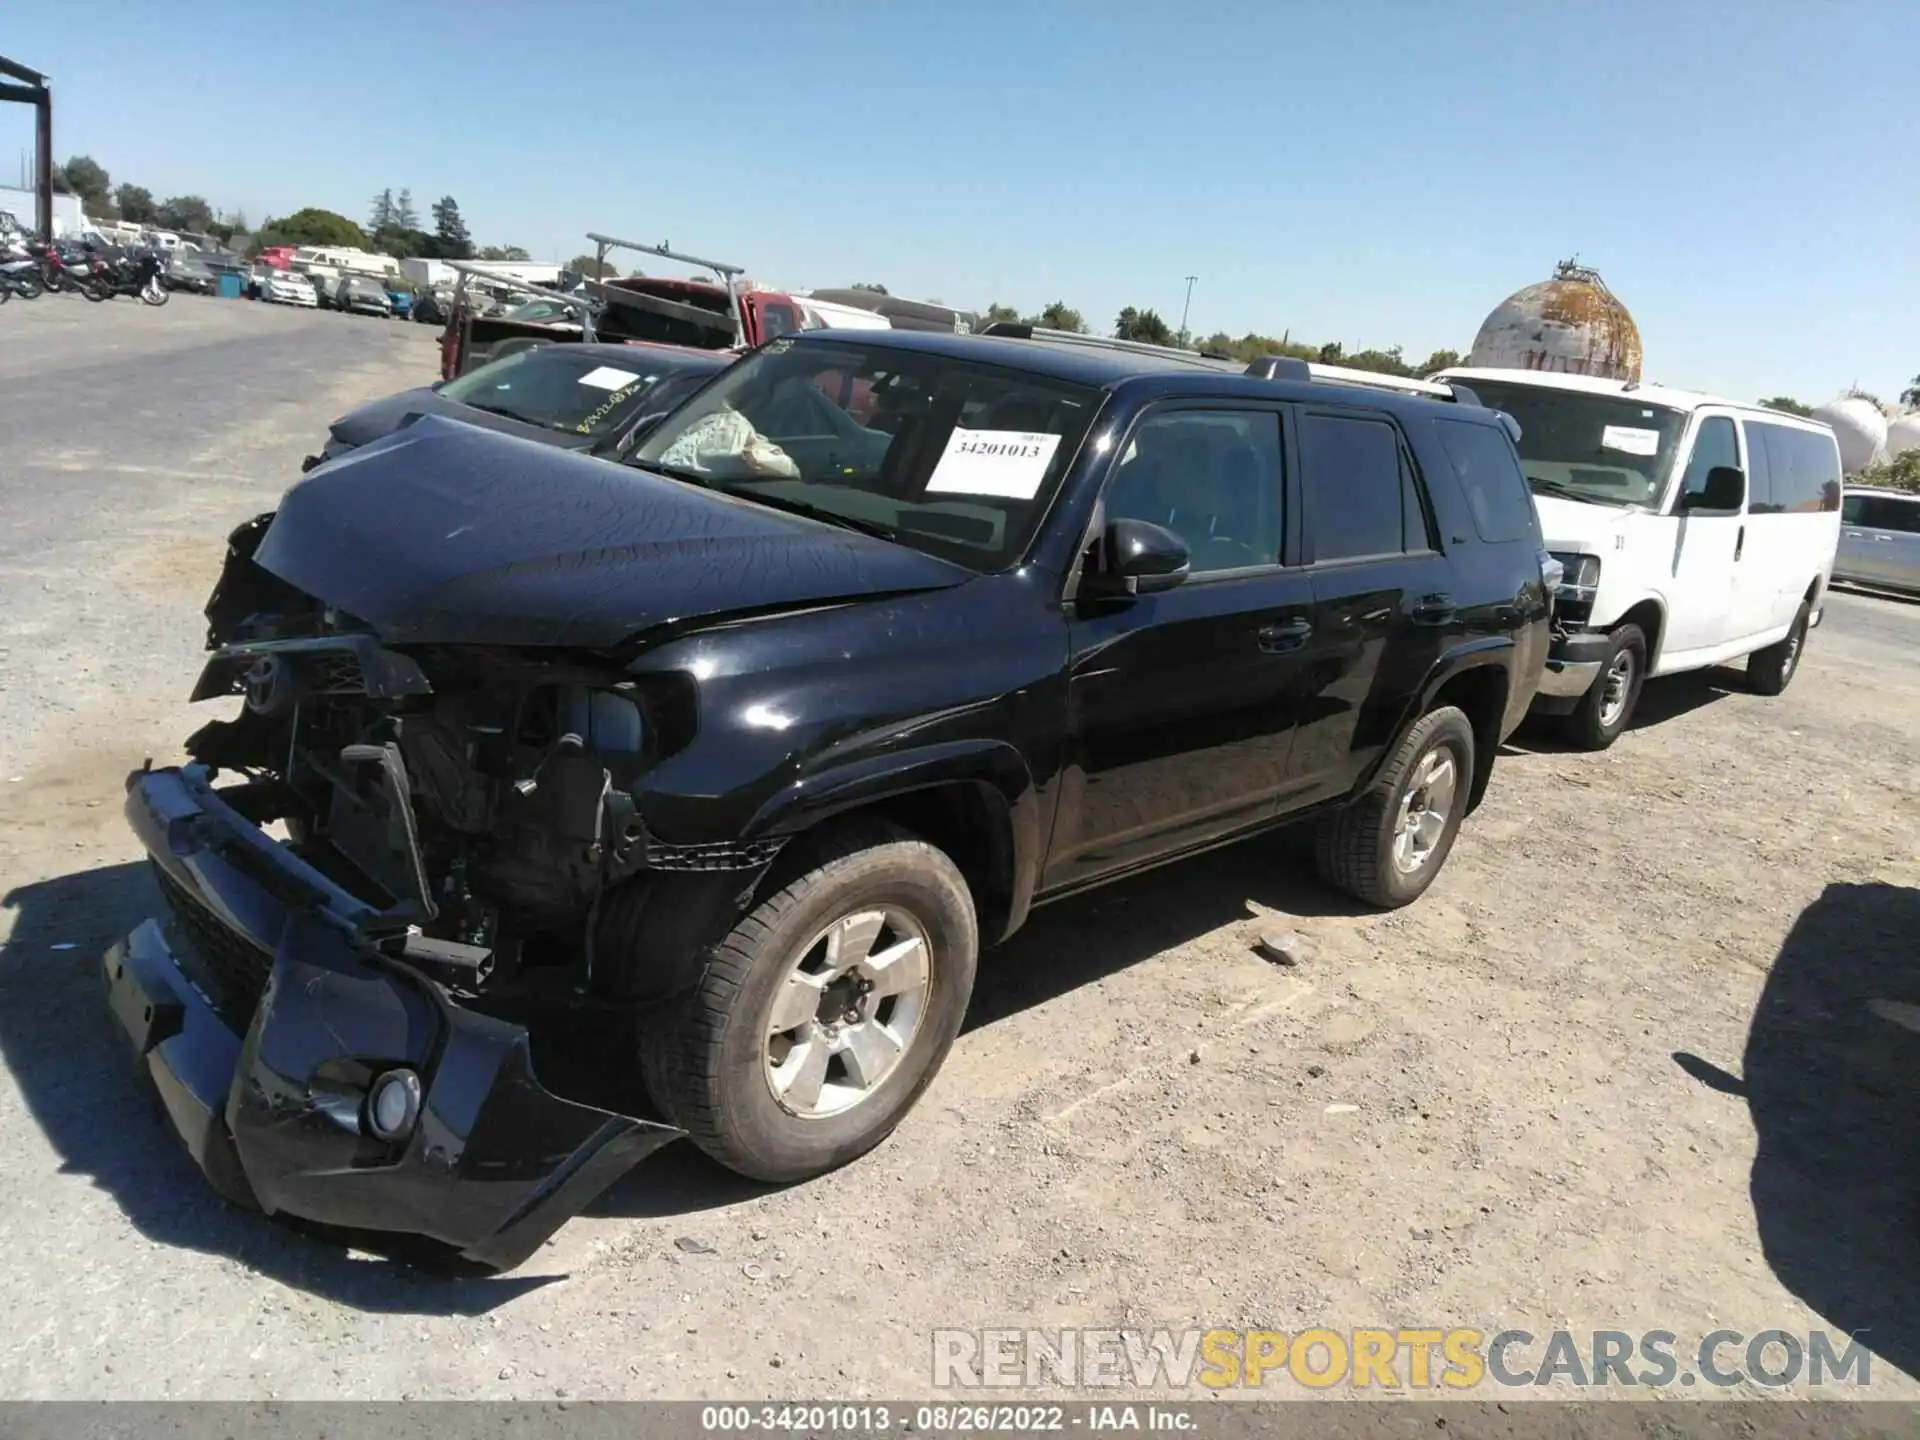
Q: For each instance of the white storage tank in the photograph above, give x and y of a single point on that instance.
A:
(1859, 427)
(1571, 324)
(1903, 434)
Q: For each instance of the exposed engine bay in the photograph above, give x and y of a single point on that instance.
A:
(480, 798)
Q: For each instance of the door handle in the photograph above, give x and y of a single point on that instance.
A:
(1739, 544)
(1433, 610)
(1284, 635)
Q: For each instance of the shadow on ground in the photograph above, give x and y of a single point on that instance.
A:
(83, 1087)
(1831, 1077)
(1665, 698)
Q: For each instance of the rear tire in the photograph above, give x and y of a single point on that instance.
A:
(713, 1061)
(1387, 846)
(1771, 670)
(1601, 715)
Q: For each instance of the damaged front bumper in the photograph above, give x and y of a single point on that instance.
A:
(314, 1075)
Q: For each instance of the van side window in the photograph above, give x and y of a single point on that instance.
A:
(1760, 499)
(1806, 469)
(1713, 447)
(1489, 473)
(1352, 487)
(1883, 512)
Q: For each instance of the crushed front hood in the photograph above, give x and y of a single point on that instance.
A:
(447, 534)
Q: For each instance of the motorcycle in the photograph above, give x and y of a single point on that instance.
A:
(65, 269)
(19, 275)
(137, 274)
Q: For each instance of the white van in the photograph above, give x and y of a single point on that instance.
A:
(1693, 530)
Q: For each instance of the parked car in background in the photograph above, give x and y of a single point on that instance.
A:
(185, 270)
(431, 307)
(288, 287)
(1693, 530)
(1879, 539)
(277, 257)
(361, 294)
(541, 728)
(594, 398)
(402, 302)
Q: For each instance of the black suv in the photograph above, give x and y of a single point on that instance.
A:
(738, 752)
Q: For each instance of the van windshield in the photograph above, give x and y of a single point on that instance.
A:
(1603, 449)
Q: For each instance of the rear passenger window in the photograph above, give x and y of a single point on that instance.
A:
(1760, 499)
(1490, 474)
(1353, 487)
(1805, 466)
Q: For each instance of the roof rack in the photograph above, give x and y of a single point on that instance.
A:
(1021, 330)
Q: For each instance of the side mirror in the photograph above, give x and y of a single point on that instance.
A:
(1725, 490)
(1138, 558)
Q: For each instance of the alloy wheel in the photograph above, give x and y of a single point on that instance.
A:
(1424, 809)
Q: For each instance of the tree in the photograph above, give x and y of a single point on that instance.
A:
(450, 230)
(1911, 395)
(1382, 362)
(135, 204)
(1900, 473)
(1438, 360)
(381, 216)
(404, 215)
(1787, 403)
(997, 314)
(1061, 316)
(504, 252)
(591, 268)
(1332, 353)
(313, 226)
(866, 285)
(186, 212)
(88, 179)
(1144, 325)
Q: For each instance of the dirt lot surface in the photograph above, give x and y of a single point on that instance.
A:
(1627, 1066)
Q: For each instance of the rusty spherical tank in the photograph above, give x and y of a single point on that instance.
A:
(1572, 324)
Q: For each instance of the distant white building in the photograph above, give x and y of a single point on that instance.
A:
(68, 217)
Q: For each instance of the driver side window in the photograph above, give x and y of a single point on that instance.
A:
(1212, 477)
(1713, 447)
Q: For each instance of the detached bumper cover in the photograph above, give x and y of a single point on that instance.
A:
(272, 1104)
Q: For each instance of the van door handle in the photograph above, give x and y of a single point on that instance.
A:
(1739, 543)
(1284, 635)
(1433, 610)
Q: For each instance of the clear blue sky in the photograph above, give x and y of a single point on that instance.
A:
(1743, 172)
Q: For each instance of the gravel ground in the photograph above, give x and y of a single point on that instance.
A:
(1621, 1068)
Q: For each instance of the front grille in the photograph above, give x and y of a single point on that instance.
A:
(224, 965)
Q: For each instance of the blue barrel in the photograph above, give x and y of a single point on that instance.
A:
(229, 286)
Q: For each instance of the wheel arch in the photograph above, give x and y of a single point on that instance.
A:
(1650, 614)
(974, 799)
(1479, 683)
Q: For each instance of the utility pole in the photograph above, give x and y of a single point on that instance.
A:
(1185, 307)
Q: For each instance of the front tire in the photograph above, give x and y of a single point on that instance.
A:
(154, 293)
(1387, 846)
(1770, 671)
(825, 1012)
(1602, 713)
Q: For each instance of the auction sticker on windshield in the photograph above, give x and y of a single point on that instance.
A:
(608, 378)
(1007, 463)
(1629, 440)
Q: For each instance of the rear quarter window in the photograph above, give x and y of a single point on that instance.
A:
(1804, 466)
(1485, 463)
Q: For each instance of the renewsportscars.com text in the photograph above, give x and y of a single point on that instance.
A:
(1408, 1360)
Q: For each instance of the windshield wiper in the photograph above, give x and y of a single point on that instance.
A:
(1556, 487)
(817, 512)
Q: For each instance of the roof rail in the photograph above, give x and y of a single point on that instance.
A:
(1021, 330)
(1280, 367)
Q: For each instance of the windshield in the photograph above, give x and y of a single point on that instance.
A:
(1600, 448)
(951, 457)
(558, 387)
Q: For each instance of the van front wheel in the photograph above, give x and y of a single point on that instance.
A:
(1603, 712)
(1769, 671)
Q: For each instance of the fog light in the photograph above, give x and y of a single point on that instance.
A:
(394, 1104)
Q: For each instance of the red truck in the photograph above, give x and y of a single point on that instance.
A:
(699, 314)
